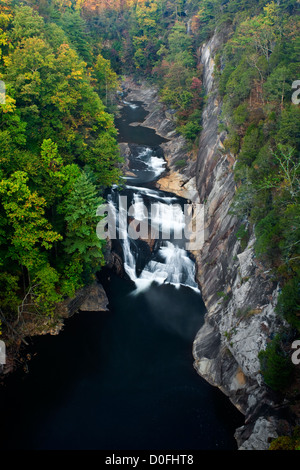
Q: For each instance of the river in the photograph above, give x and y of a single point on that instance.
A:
(124, 379)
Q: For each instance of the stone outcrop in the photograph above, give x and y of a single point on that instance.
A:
(125, 154)
(96, 299)
(91, 298)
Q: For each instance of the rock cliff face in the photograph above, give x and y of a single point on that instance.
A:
(239, 295)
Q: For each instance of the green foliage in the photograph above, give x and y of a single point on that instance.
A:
(243, 235)
(190, 130)
(276, 364)
(255, 69)
(75, 29)
(52, 125)
(45, 292)
(72, 276)
(180, 83)
(244, 198)
(79, 210)
(241, 114)
(26, 24)
(232, 142)
(288, 131)
(291, 442)
(9, 287)
(180, 163)
(250, 145)
(288, 305)
(178, 41)
(107, 79)
(267, 231)
(27, 229)
(150, 39)
(238, 85)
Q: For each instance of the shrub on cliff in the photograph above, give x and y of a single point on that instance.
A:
(288, 302)
(287, 442)
(276, 364)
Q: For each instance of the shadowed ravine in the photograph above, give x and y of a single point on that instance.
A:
(124, 379)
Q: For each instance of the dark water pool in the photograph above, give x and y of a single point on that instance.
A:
(119, 380)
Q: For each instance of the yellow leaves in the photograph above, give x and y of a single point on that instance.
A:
(5, 19)
(79, 4)
(3, 40)
(26, 212)
(62, 4)
(201, 13)
(63, 48)
(102, 5)
(76, 74)
(271, 12)
(64, 100)
(7, 60)
(140, 40)
(150, 23)
(9, 106)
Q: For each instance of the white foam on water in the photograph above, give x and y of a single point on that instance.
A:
(168, 218)
(176, 269)
(171, 263)
(155, 164)
(152, 193)
(131, 105)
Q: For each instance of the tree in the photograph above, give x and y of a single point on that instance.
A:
(26, 24)
(5, 20)
(257, 33)
(105, 160)
(52, 125)
(289, 169)
(288, 305)
(81, 240)
(74, 27)
(276, 365)
(178, 40)
(28, 232)
(276, 86)
(288, 129)
(107, 79)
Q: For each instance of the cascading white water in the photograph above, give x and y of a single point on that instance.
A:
(168, 219)
(149, 216)
(120, 217)
(131, 105)
(152, 194)
(170, 263)
(175, 268)
(152, 162)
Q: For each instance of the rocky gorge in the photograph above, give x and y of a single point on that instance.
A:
(238, 292)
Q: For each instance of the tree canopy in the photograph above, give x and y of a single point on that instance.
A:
(58, 154)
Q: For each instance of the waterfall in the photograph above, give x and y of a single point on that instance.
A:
(152, 162)
(174, 268)
(169, 263)
(150, 217)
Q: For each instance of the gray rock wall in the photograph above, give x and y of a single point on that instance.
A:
(239, 296)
